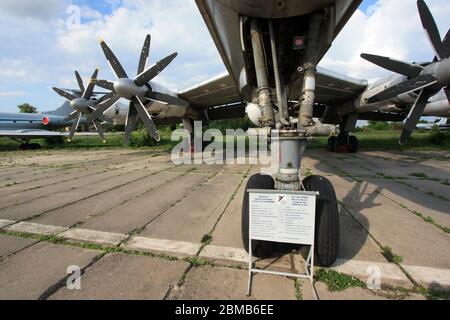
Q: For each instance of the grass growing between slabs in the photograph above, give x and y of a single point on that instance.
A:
(374, 140)
(389, 140)
(336, 281)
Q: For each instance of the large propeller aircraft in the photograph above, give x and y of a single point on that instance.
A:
(425, 79)
(271, 49)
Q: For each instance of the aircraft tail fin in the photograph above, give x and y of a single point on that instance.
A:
(64, 110)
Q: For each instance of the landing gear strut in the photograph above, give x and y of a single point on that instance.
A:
(289, 141)
(29, 146)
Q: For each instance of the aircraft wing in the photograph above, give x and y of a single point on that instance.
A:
(217, 91)
(331, 88)
(36, 134)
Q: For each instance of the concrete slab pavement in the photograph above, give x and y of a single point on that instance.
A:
(120, 276)
(31, 272)
(208, 283)
(11, 244)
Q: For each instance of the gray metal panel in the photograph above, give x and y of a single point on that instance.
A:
(218, 91)
(331, 87)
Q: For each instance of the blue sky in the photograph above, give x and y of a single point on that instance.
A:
(42, 51)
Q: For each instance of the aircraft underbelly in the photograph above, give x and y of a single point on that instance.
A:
(274, 8)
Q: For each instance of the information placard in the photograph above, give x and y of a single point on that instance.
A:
(286, 217)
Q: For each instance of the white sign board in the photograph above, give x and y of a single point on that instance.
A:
(282, 217)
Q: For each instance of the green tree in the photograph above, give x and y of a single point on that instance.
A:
(27, 108)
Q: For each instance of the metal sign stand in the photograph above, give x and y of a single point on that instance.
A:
(309, 263)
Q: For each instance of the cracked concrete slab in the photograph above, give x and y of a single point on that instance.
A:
(56, 200)
(120, 276)
(204, 283)
(130, 216)
(414, 200)
(11, 244)
(82, 210)
(192, 218)
(31, 272)
(391, 224)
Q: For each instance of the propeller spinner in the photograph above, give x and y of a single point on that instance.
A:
(429, 78)
(134, 89)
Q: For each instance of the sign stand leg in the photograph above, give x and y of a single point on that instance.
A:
(250, 265)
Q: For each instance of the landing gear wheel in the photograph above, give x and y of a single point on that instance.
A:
(261, 249)
(327, 220)
(332, 145)
(353, 144)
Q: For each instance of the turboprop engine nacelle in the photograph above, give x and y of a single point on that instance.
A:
(440, 108)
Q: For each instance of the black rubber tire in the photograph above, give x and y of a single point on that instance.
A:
(261, 249)
(353, 144)
(327, 220)
(332, 144)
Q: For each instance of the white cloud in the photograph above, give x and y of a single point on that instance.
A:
(42, 9)
(177, 27)
(11, 93)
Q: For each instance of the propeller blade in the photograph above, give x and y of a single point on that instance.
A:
(90, 88)
(411, 85)
(80, 81)
(431, 29)
(113, 61)
(130, 122)
(105, 84)
(144, 55)
(64, 94)
(99, 130)
(101, 108)
(414, 115)
(74, 126)
(71, 116)
(146, 118)
(152, 72)
(404, 68)
(104, 98)
(446, 44)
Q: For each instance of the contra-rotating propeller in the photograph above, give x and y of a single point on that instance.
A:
(83, 104)
(426, 79)
(137, 89)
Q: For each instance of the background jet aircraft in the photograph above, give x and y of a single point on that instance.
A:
(441, 124)
(26, 126)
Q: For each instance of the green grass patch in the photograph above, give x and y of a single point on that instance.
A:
(389, 140)
(298, 289)
(336, 281)
(419, 175)
(199, 262)
(207, 239)
(390, 256)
